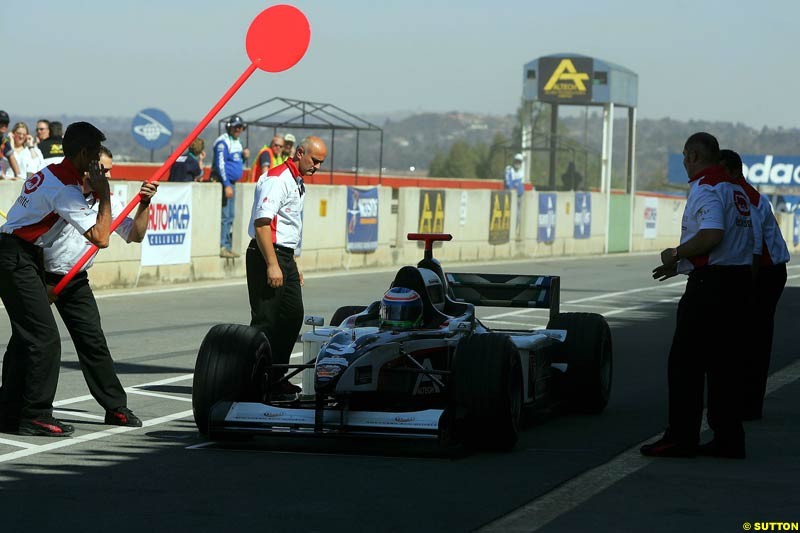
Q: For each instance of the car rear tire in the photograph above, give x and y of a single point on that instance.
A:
(231, 365)
(345, 312)
(587, 351)
(488, 391)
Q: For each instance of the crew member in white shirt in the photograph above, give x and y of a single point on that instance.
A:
(772, 254)
(49, 200)
(716, 251)
(274, 280)
(77, 306)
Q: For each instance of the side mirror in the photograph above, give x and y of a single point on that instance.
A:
(313, 320)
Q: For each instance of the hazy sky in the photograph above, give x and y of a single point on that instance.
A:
(701, 59)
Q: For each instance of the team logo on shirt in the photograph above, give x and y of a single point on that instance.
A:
(33, 183)
(741, 203)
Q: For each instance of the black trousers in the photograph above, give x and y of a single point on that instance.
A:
(769, 286)
(78, 310)
(707, 345)
(32, 358)
(278, 312)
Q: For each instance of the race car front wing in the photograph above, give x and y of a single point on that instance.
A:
(259, 418)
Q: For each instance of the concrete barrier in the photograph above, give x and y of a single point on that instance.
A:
(467, 214)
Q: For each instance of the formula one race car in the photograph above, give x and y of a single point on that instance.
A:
(417, 363)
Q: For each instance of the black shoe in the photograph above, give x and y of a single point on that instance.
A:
(665, 447)
(9, 426)
(284, 392)
(122, 416)
(44, 426)
(726, 451)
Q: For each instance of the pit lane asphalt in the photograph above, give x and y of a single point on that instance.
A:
(166, 477)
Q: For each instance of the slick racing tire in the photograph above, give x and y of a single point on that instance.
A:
(587, 352)
(488, 391)
(231, 365)
(345, 312)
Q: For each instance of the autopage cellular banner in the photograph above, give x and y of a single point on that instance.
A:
(583, 215)
(169, 229)
(362, 219)
(500, 217)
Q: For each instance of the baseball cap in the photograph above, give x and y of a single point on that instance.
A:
(4, 118)
(518, 157)
(289, 138)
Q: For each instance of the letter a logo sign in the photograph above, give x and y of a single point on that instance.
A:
(569, 79)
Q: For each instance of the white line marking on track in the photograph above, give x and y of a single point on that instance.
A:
(80, 439)
(201, 445)
(166, 381)
(18, 444)
(593, 298)
(639, 307)
(565, 498)
(134, 390)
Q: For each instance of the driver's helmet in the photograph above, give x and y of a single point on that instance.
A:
(401, 308)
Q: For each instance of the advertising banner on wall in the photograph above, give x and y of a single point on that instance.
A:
(362, 219)
(169, 230)
(781, 171)
(583, 215)
(650, 217)
(431, 211)
(547, 218)
(500, 217)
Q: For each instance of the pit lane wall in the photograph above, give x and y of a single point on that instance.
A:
(484, 224)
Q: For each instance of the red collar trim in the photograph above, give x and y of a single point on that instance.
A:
(66, 172)
(293, 168)
(714, 171)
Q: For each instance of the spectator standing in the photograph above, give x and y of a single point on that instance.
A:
(514, 180)
(274, 280)
(772, 254)
(49, 200)
(78, 308)
(7, 147)
(716, 251)
(288, 146)
(42, 130)
(189, 166)
(29, 158)
(268, 157)
(51, 148)
(227, 168)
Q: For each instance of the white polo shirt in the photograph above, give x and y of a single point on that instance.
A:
(772, 248)
(279, 196)
(49, 200)
(70, 245)
(715, 202)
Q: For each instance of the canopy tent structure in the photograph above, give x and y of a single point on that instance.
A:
(289, 114)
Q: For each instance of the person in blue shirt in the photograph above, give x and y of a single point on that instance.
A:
(227, 168)
(514, 180)
(189, 166)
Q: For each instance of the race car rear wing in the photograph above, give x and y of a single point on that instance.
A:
(507, 290)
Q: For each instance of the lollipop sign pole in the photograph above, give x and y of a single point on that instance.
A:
(282, 23)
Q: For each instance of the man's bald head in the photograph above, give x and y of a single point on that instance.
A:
(700, 151)
(310, 155)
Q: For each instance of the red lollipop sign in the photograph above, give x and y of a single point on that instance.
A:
(278, 24)
(282, 24)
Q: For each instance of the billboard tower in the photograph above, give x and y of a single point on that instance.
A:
(573, 79)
